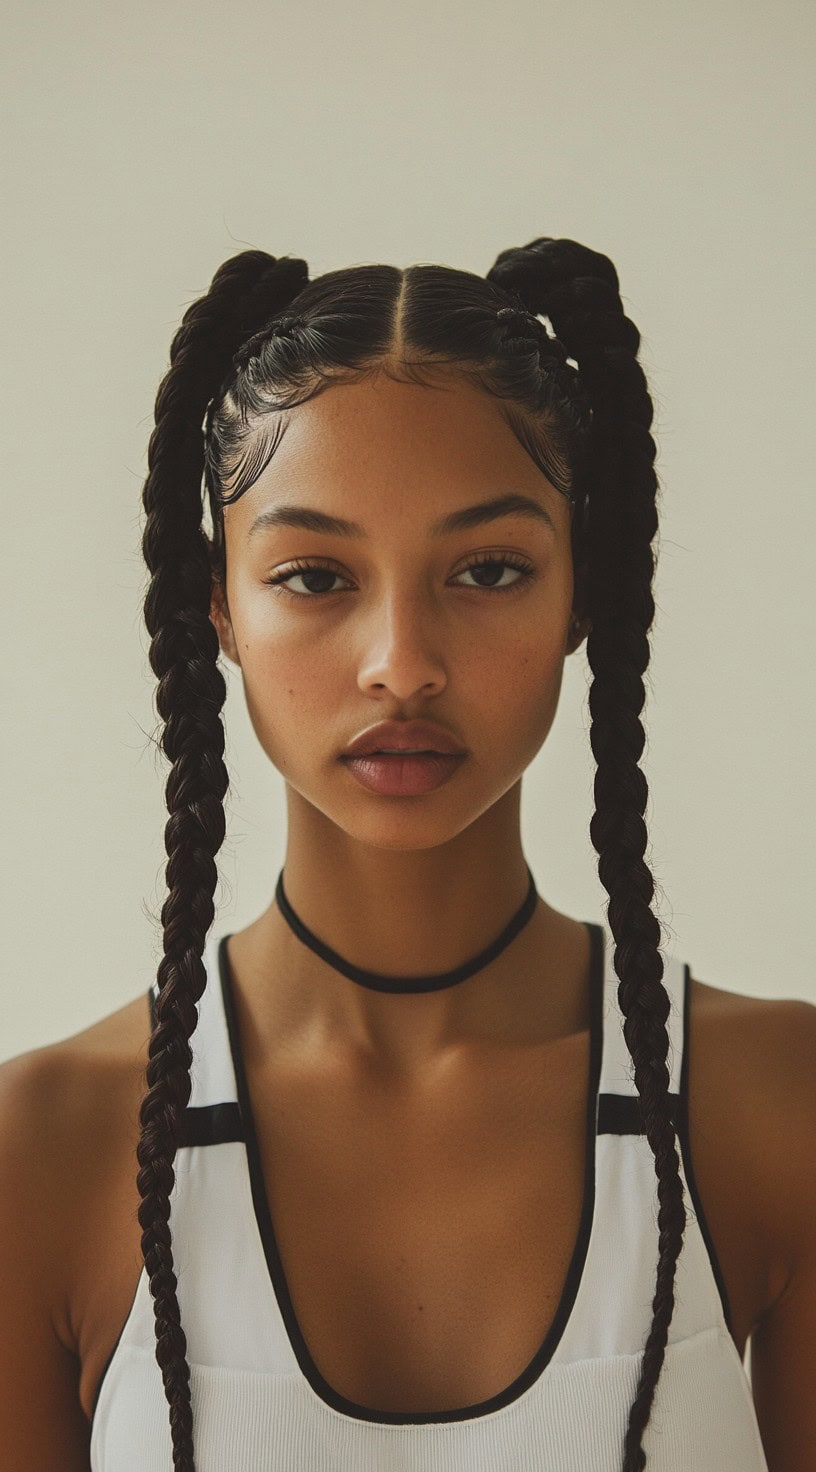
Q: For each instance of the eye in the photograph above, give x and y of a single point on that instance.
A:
(490, 560)
(493, 560)
(298, 569)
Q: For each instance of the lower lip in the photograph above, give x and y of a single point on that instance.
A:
(403, 776)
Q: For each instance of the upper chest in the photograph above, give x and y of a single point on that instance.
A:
(426, 1238)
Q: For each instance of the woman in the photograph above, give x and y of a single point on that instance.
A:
(409, 1191)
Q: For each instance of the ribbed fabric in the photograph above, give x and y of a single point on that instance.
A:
(259, 1401)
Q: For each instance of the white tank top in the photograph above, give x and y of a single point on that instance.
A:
(259, 1401)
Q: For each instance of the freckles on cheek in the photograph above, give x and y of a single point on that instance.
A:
(540, 654)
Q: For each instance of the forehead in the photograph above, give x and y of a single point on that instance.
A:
(376, 446)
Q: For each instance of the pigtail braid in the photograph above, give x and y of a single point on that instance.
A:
(248, 289)
(577, 289)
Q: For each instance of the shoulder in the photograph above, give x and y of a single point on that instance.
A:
(54, 1088)
(755, 1060)
(65, 1109)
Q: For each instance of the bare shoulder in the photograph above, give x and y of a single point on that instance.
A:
(64, 1085)
(754, 1062)
(71, 1107)
(766, 1042)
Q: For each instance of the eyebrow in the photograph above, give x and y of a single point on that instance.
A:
(310, 520)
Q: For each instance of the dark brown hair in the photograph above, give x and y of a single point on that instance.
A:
(262, 340)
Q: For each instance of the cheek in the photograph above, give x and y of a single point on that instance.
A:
(292, 688)
(507, 690)
(522, 657)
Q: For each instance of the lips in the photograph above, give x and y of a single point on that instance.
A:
(411, 736)
(403, 775)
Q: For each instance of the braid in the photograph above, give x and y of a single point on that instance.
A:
(577, 289)
(191, 691)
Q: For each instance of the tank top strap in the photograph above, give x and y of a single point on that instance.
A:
(619, 1100)
(213, 1114)
(624, 1248)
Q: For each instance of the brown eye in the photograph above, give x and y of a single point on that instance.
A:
(491, 561)
(303, 569)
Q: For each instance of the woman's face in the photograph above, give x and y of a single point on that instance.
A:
(406, 628)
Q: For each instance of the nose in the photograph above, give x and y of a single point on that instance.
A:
(403, 651)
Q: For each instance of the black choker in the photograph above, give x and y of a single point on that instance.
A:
(379, 983)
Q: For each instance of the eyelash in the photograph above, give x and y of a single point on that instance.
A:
(278, 582)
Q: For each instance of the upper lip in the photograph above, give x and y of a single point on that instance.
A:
(404, 735)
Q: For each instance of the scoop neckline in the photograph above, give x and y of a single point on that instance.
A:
(534, 1370)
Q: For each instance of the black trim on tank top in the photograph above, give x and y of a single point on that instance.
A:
(212, 1124)
(685, 1146)
(620, 1114)
(544, 1354)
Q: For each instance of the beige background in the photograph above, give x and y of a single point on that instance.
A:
(144, 145)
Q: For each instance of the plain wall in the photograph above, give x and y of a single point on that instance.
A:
(145, 145)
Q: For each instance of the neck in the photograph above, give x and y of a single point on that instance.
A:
(531, 993)
(404, 912)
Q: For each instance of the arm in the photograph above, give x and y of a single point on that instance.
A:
(42, 1424)
(783, 1343)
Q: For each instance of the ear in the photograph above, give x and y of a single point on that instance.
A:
(576, 633)
(220, 617)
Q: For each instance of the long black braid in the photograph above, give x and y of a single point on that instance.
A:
(262, 340)
(190, 694)
(579, 292)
